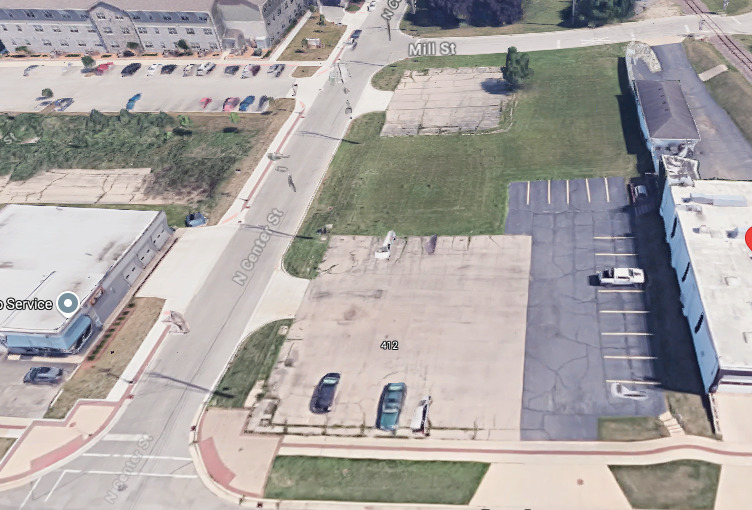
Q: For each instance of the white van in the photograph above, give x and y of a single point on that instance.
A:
(205, 68)
(419, 425)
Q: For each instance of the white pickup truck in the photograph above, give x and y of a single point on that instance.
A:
(621, 276)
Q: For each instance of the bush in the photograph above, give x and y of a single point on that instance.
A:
(47, 93)
(88, 62)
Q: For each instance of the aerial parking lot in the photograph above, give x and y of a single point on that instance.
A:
(454, 320)
(159, 92)
(585, 344)
(21, 400)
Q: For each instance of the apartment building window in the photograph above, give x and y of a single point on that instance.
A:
(5, 29)
(699, 323)
(119, 17)
(136, 16)
(202, 18)
(47, 14)
(184, 18)
(125, 30)
(142, 30)
(673, 229)
(18, 27)
(38, 28)
(91, 30)
(30, 14)
(208, 31)
(99, 44)
(156, 30)
(114, 45)
(172, 31)
(107, 30)
(100, 15)
(63, 43)
(56, 28)
(166, 18)
(213, 46)
(74, 30)
(190, 31)
(46, 42)
(686, 272)
(279, 11)
(195, 46)
(65, 15)
(148, 44)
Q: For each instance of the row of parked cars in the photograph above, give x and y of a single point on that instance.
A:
(232, 102)
(390, 404)
(248, 71)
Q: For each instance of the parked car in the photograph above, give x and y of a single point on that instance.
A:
(130, 69)
(89, 71)
(29, 69)
(250, 70)
(621, 276)
(230, 104)
(419, 424)
(205, 68)
(262, 102)
(196, 219)
(204, 102)
(323, 395)
(356, 34)
(63, 103)
(246, 103)
(189, 70)
(390, 406)
(153, 69)
(371, 6)
(280, 69)
(101, 68)
(232, 70)
(132, 102)
(168, 69)
(49, 375)
(272, 69)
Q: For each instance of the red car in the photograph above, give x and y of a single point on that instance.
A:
(230, 104)
(204, 102)
(101, 68)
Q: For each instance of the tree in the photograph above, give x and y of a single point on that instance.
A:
(234, 117)
(47, 93)
(517, 68)
(600, 12)
(88, 62)
(476, 12)
(133, 46)
(183, 45)
(23, 49)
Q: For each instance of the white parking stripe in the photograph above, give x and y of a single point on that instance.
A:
(587, 187)
(630, 357)
(59, 479)
(625, 291)
(118, 473)
(117, 455)
(549, 191)
(626, 381)
(613, 237)
(616, 254)
(567, 181)
(626, 333)
(605, 183)
(686, 28)
(124, 437)
(26, 499)
(624, 311)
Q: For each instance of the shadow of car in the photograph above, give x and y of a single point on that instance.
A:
(390, 406)
(323, 396)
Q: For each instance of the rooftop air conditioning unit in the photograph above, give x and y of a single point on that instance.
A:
(695, 208)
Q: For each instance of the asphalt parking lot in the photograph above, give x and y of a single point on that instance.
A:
(26, 400)
(581, 339)
(458, 317)
(111, 91)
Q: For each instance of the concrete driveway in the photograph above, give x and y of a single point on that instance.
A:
(21, 400)
(111, 91)
(581, 340)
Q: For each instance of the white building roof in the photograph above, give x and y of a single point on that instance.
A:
(722, 263)
(46, 250)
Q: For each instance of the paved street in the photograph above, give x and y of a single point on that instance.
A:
(187, 367)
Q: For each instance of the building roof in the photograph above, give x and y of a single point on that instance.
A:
(665, 109)
(127, 5)
(722, 263)
(47, 250)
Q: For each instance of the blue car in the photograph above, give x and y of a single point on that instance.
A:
(390, 406)
(246, 103)
(196, 219)
(132, 102)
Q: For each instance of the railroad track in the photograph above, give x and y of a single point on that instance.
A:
(722, 36)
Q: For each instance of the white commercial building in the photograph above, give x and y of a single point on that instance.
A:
(705, 223)
(98, 254)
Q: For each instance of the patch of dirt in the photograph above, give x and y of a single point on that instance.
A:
(652, 9)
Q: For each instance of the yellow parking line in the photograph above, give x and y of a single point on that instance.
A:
(625, 381)
(625, 291)
(549, 191)
(616, 254)
(567, 181)
(528, 192)
(624, 311)
(630, 357)
(587, 187)
(605, 183)
(626, 333)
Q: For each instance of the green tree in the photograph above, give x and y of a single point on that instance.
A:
(185, 121)
(517, 68)
(133, 46)
(234, 117)
(88, 62)
(23, 49)
(596, 13)
(47, 93)
(183, 45)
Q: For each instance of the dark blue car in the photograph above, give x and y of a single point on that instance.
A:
(132, 102)
(196, 219)
(246, 103)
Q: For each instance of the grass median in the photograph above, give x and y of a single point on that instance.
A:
(683, 484)
(575, 119)
(630, 428)
(95, 379)
(253, 362)
(5, 444)
(374, 481)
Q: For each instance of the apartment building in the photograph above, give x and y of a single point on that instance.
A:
(155, 25)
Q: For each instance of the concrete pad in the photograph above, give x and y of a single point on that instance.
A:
(184, 269)
(458, 317)
(734, 416)
(238, 461)
(733, 487)
(713, 72)
(282, 298)
(576, 487)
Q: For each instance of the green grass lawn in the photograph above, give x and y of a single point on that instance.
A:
(690, 412)
(253, 362)
(729, 89)
(366, 480)
(735, 6)
(683, 484)
(329, 33)
(630, 428)
(175, 213)
(5, 444)
(566, 125)
(538, 16)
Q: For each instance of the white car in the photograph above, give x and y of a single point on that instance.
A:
(205, 68)
(621, 276)
(153, 69)
(247, 71)
(188, 70)
(371, 6)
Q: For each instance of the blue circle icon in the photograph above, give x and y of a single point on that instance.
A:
(67, 303)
